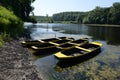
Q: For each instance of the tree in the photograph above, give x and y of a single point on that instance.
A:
(97, 16)
(114, 13)
(79, 19)
(21, 8)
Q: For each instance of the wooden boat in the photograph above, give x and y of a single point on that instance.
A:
(79, 52)
(31, 43)
(49, 46)
(44, 48)
(73, 43)
(37, 42)
(80, 42)
(63, 41)
(52, 46)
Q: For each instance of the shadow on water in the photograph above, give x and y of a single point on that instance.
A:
(72, 62)
(39, 55)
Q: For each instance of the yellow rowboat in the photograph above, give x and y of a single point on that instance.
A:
(73, 43)
(50, 47)
(63, 41)
(79, 52)
(43, 48)
(31, 43)
(37, 42)
(80, 41)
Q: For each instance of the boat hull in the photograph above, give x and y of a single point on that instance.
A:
(37, 42)
(45, 51)
(78, 52)
(28, 44)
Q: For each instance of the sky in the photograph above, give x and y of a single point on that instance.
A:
(50, 7)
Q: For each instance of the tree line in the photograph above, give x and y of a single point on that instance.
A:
(43, 19)
(69, 16)
(99, 15)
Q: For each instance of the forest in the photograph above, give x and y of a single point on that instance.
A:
(99, 15)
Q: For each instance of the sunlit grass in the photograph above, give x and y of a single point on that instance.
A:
(10, 23)
(1, 41)
(4, 37)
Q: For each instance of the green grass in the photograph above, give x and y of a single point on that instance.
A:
(10, 23)
(1, 41)
(4, 37)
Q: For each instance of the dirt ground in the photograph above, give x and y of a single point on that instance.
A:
(16, 63)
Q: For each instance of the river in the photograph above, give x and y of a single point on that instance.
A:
(104, 66)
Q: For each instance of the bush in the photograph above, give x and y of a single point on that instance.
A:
(1, 41)
(4, 37)
(10, 23)
(31, 19)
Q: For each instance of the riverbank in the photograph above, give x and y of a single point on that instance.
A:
(74, 22)
(103, 25)
(16, 63)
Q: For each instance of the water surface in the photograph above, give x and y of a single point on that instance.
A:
(104, 66)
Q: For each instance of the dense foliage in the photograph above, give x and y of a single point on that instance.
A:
(44, 19)
(110, 15)
(12, 15)
(69, 16)
(21, 8)
(9, 23)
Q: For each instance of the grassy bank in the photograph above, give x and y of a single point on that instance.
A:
(10, 25)
(4, 37)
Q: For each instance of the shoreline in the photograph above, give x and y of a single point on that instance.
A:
(103, 25)
(99, 25)
(16, 63)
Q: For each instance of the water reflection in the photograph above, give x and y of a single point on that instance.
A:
(71, 28)
(108, 34)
